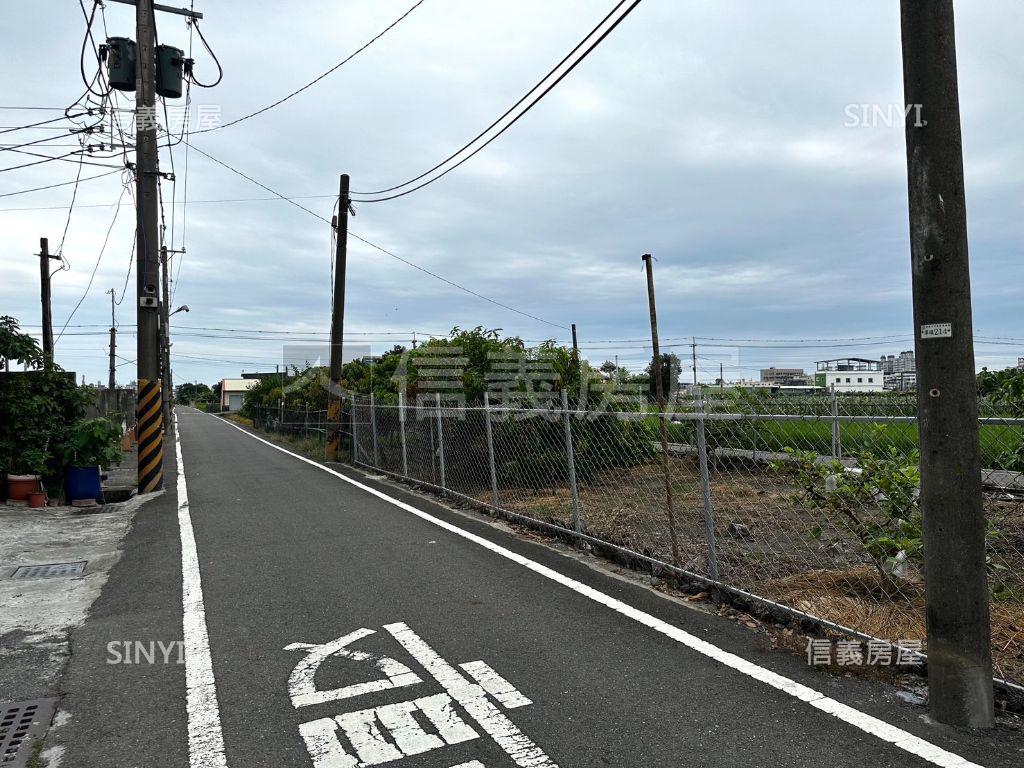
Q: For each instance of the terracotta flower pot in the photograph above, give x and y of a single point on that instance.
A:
(20, 486)
(37, 499)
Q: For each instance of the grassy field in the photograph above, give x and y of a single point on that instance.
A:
(1002, 446)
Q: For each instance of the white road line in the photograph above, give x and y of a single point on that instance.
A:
(473, 699)
(205, 738)
(898, 737)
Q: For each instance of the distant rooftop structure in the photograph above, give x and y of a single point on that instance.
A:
(848, 364)
(784, 376)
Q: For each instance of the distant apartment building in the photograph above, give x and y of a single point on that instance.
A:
(902, 363)
(900, 382)
(784, 377)
(1020, 363)
(849, 374)
(900, 371)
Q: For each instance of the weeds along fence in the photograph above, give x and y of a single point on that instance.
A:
(807, 504)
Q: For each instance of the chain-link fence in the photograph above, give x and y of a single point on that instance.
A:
(804, 503)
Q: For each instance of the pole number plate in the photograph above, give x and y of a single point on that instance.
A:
(937, 331)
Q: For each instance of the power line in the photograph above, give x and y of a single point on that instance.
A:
(128, 274)
(317, 79)
(67, 221)
(43, 122)
(47, 159)
(456, 285)
(53, 186)
(532, 103)
(193, 202)
(95, 266)
(374, 245)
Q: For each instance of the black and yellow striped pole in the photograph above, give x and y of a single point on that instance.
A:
(150, 420)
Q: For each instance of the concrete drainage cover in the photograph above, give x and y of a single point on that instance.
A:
(49, 571)
(22, 723)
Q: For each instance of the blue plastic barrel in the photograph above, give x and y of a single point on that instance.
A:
(82, 483)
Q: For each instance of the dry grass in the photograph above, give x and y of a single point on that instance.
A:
(789, 554)
(858, 599)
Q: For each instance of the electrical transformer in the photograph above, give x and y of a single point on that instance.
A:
(169, 62)
(121, 63)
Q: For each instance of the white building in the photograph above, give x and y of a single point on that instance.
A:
(232, 392)
(850, 374)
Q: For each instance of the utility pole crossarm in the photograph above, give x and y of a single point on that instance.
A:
(166, 9)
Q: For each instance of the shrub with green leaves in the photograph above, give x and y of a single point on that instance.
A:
(878, 501)
(92, 442)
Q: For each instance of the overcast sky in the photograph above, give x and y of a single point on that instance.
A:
(715, 135)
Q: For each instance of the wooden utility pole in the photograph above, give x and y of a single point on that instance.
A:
(149, 403)
(659, 390)
(956, 591)
(338, 324)
(112, 375)
(44, 290)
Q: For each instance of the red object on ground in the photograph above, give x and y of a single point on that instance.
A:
(37, 499)
(20, 486)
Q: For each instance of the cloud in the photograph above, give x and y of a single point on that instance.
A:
(708, 133)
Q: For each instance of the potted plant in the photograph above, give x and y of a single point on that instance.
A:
(91, 444)
(26, 475)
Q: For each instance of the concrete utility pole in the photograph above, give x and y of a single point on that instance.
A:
(693, 351)
(338, 324)
(44, 286)
(112, 376)
(659, 390)
(165, 339)
(149, 403)
(956, 592)
(167, 383)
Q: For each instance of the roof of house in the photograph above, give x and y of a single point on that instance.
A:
(237, 385)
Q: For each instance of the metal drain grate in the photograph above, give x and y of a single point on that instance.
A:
(50, 570)
(22, 723)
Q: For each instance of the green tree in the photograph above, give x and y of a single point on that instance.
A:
(670, 370)
(38, 408)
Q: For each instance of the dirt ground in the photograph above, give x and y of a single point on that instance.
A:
(769, 544)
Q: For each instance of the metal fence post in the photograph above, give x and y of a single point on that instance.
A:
(837, 441)
(490, 451)
(440, 439)
(355, 433)
(705, 487)
(401, 433)
(577, 518)
(373, 430)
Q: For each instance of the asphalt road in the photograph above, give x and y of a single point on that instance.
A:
(580, 668)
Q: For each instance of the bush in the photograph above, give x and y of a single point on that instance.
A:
(92, 442)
